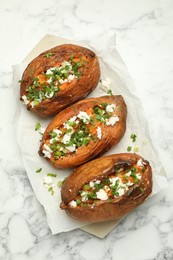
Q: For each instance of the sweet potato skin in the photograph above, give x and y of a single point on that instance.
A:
(76, 89)
(105, 210)
(110, 135)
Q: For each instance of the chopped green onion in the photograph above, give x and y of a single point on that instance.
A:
(136, 149)
(133, 137)
(52, 175)
(49, 54)
(129, 148)
(39, 170)
(86, 187)
(78, 201)
(141, 189)
(51, 190)
(109, 92)
(60, 183)
(37, 126)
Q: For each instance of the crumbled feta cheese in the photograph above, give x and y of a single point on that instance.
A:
(91, 184)
(138, 176)
(66, 63)
(47, 148)
(106, 188)
(128, 173)
(72, 119)
(84, 196)
(49, 182)
(50, 70)
(66, 138)
(49, 95)
(114, 180)
(71, 148)
(129, 183)
(62, 81)
(72, 204)
(71, 77)
(102, 195)
(84, 116)
(110, 108)
(139, 163)
(99, 132)
(106, 82)
(47, 151)
(58, 132)
(67, 126)
(49, 80)
(25, 100)
(32, 104)
(121, 191)
(112, 121)
(98, 181)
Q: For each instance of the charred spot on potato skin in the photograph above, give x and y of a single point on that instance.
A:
(92, 54)
(121, 164)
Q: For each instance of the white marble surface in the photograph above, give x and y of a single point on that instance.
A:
(144, 30)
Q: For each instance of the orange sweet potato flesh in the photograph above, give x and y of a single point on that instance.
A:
(111, 135)
(70, 92)
(105, 210)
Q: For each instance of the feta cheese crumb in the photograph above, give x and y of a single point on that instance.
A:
(66, 138)
(47, 151)
(138, 176)
(106, 83)
(99, 132)
(32, 104)
(72, 204)
(49, 95)
(110, 108)
(50, 70)
(112, 121)
(84, 196)
(114, 180)
(71, 148)
(128, 173)
(102, 195)
(91, 184)
(139, 163)
(106, 188)
(58, 132)
(48, 182)
(25, 100)
(121, 191)
(61, 81)
(49, 80)
(71, 77)
(72, 119)
(84, 116)
(98, 181)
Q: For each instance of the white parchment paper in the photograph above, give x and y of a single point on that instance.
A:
(114, 72)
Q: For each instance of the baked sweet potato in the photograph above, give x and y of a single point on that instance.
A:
(58, 78)
(107, 188)
(83, 131)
